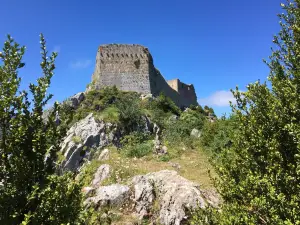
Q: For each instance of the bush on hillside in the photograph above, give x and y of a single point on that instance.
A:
(178, 131)
(30, 191)
(167, 105)
(259, 175)
(137, 144)
(219, 134)
(130, 114)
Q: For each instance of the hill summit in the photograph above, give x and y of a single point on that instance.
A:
(131, 68)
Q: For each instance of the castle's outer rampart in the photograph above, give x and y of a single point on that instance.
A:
(131, 68)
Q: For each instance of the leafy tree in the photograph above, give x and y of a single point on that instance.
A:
(30, 192)
(218, 134)
(260, 174)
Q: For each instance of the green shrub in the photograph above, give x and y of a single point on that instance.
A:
(97, 100)
(137, 144)
(31, 192)
(192, 119)
(139, 150)
(209, 132)
(96, 216)
(156, 114)
(259, 174)
(179, 131)
(167, 105)
(110, 114)
(207, 216)
(60, 201)
(165, 158)
(130, 112)
(219, 134)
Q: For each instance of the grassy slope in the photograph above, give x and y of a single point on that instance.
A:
(194, 166)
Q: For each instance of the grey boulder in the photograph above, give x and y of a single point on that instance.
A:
(75, 100)
(196, 133)
(174, 193)
(113, 195)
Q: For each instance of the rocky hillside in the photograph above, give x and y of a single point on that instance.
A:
(138, 158)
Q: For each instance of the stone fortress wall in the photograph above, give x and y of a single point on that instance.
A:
(131, 68)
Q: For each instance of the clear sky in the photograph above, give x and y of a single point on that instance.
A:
(215, 45)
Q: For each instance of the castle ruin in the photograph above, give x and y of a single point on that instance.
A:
(131, 68)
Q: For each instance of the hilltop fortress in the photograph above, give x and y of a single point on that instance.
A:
(131, 68)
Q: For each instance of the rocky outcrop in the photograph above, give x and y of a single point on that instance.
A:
(175, 194)
(75, 100)
(166, 193)
(83, 136)
(72, 102)
(158, 147)
(148, 125)
(101, 174)
(113, 195)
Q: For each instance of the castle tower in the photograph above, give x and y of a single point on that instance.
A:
(125, 66)
(131, 68)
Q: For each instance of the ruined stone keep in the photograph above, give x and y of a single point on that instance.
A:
(131, 68)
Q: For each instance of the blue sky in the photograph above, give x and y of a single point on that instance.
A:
(215, 45)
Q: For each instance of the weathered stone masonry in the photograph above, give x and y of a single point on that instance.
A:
(131, 68)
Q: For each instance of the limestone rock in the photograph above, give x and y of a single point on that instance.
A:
(173, 118)
(158, 148)
(113, 195)
(84, 135)
(75, 100)
(104, 155)
(156, 131)
(102, 173)
(72, 102)
(146, 96)
(174, 193)
(164, 150)
(143, 194)
(148, 127)
(196, 133)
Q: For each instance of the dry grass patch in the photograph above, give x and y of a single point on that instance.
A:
(194, 166)
(191, 164)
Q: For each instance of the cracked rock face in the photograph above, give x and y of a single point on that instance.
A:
(84, 135)
(174, 193)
